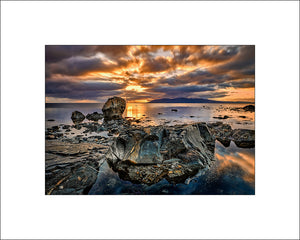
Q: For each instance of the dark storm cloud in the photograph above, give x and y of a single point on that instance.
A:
(151, 71)
(77, 66)
(56, 53)
(238, 84)
(196, 54)
(81, 90)
(243, 61)
(157, 64)
(181, 89)
(199, 77)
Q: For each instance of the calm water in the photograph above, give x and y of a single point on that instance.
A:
(232, 173)
(186, 113)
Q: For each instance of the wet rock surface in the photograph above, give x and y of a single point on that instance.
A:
(95, 116)
(146, 155)
(114, 108)
(138, 154)
(243, 138)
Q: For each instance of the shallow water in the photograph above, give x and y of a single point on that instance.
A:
(159, 113)
(231, 173)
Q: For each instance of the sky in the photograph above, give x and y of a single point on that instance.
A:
(87, 73)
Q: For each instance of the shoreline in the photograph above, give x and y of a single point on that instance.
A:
(74, 153)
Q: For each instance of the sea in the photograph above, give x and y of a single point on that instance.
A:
(232, 173)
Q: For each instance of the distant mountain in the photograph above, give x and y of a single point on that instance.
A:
(189, 100)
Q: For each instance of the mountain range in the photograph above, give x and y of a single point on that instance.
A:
(190, 100)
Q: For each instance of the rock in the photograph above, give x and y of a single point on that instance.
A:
(114, 108)
(49, 137)
(50, 120)
(225, 142)
(66, 126)
(159, 113)
(77, 117)
(72, 168)
(249, 108)
(55, 128)
(174, 110)
(220, 117)
(244, 138)
(242, 116)
(78, 127)
(94, 116)
(153, 151)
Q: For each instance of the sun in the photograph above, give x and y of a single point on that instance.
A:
(136, 88)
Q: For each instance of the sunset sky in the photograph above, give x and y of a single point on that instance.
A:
(143, 73)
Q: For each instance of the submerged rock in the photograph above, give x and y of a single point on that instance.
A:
(77, 117)
(114, 108)
(94, 116)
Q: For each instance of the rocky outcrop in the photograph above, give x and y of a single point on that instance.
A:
(94, 116)
(243, 138)
(77, 117)
(113, 108)
(147, 155)
(72, 168)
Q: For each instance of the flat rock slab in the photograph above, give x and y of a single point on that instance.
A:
(71, 168)
(70, 149)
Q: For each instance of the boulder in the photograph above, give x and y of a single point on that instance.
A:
(147, 155)
(249, 108)
(94, 116)
(77, 117)
(113, 108)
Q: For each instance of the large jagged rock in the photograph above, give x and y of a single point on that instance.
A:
(114, 108)
(146, 155)
(77, 117)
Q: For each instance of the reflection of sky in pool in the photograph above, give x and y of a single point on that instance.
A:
(232, 173)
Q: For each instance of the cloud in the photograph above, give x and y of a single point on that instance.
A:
(157, 64)
(182, 90)
(56, 53)
(82, 90)
(91, 71)
(243, 61)
(248, 83)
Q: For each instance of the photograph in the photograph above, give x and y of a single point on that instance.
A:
(149, 119)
